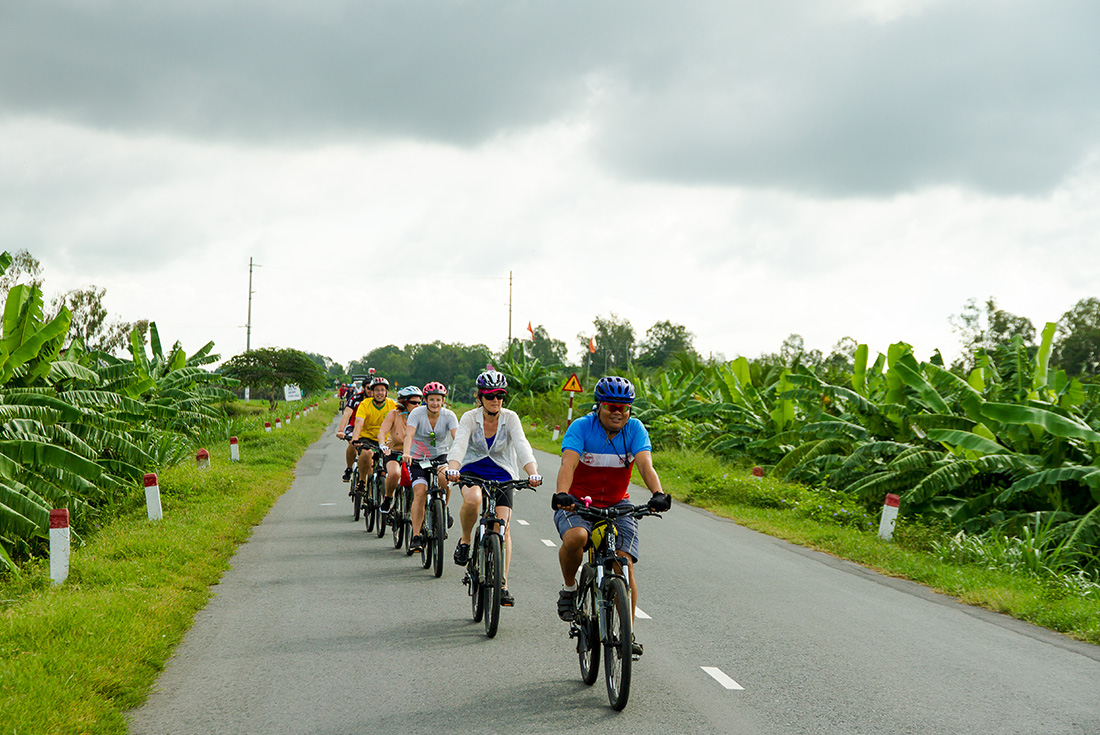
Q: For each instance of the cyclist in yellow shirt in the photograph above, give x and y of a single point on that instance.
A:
(368, 419)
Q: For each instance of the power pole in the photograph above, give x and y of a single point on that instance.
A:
(248, 326)
(509, 314)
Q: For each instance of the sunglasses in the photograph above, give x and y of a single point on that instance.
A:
(413, 403)
(617, 407)
(492, 396)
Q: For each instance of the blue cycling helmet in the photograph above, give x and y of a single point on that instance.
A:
(614, 389)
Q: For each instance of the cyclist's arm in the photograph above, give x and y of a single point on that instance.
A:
(387, 424)
(644, 462)
(344, 422)
(358, 426)
(410, 432)
(569, 462)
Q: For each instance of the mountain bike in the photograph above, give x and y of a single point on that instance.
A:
(602, 608)
(359, 483)
(399, 513)
(434, 530)
(375, 491)
(485, 569)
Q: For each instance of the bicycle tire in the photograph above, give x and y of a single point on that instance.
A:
(473, 567)
(490, 585)
(439, 532)
(397, 517)
(425, 528)
(618, 643)
(588, 625)
(368, 504)
(356, 496)
(380, 526)
(408, 524)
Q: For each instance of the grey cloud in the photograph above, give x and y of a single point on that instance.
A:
(998, 96)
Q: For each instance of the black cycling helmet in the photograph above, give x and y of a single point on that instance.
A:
(613, 389)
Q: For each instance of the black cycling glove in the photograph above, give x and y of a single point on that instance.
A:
(660, 502)
(562, 500)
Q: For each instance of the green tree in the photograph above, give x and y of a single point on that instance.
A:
(545, 349)
(1077, 349)
(988, 329)
(614, 344)
(89, 320)
(269, 369)
(662, 341)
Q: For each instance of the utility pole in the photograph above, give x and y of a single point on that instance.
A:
(248, 326)
(509, 314)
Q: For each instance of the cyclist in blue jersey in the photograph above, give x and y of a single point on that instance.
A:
(599, 452)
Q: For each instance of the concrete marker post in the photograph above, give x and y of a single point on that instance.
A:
(234, 450)
(267, 426)
(202, 459)
(557, 432)
(152, 497)
(59, 545)
(276, 423)
(758, 472)
(889, 515)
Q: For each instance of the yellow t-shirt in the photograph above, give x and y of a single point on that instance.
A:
(372, 417)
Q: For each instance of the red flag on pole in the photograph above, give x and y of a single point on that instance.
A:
(532, 331)
(592, 344)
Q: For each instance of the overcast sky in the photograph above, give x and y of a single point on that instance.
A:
(749, 170)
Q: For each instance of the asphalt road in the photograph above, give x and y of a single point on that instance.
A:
(322, 628)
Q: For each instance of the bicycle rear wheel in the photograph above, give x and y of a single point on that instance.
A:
(439, 531)
(490, 583)
(618, 642)
(368, 504)
(473, 568)
(425, 536)
(587, 623)
(356, 496)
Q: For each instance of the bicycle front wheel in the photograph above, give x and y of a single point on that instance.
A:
(356, 496)
(380, 525)
(397, 516)
(438, 532)
(587, 622)
(618, 642)
(473, 568)
(425, 530)
(490, 583)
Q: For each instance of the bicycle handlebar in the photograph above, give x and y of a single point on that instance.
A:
(467, 480)
(590, 513)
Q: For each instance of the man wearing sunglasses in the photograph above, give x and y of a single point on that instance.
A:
(391, 436)
(598, 453)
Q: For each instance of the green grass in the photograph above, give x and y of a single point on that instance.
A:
(820, 520)
(75, 657)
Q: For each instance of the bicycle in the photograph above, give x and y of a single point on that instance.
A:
(602, 606)
(434, 530)
(399, 514)
(485, 568)
(366, 500)
(376, 490)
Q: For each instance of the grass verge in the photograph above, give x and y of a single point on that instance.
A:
(75, 657)
(818, 521)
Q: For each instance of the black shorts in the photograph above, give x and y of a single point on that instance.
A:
(364, 444)
(420, 474)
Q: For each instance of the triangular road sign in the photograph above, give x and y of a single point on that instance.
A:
(573, 385)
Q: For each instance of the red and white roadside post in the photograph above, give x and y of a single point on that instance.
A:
(276, 422)
(557, 432)
(889, 515)
(202, 459)
(234, 450)
(152, 497)
(758, 472)
(59, 545)
(267, 426)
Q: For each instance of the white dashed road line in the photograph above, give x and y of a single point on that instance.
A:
(522, 523)
(720, 677)
(548, 542)
(639, 614)
(328, 503)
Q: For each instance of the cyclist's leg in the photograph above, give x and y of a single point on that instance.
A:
(393, 476)
(573, 531)
(468, 513)
(628, 547)
(420, 493)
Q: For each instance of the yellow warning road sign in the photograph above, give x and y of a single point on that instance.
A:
(573, 385)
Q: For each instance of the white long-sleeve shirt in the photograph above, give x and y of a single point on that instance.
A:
(510, 449)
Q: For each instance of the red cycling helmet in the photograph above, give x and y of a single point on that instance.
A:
(435, 388)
